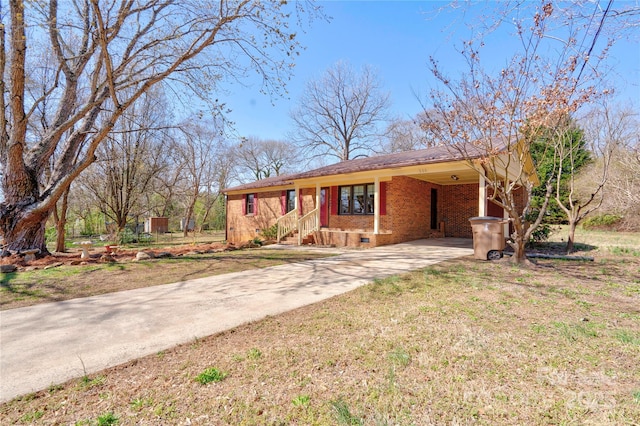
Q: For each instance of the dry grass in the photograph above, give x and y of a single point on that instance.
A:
(463, 342)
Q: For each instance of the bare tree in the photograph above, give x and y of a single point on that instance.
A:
(107, 54)
(497, 116)
(405, 135)
(614, 131)
(212, 191)
(130, 158)
(340, 113)
(570, 155)
(201, 147)
(258, 158)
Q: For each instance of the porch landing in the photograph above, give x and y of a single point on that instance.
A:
(430, 243)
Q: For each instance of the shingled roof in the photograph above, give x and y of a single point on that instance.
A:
(438, 154)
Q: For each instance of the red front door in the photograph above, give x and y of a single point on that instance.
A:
(324, 207)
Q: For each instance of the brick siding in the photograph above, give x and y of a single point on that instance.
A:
(408, 214)
(459, 204)
(242, 228)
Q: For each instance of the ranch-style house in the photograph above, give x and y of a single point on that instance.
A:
(368, 202)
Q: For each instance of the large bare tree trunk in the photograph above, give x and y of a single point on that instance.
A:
(23, 229)
(99, 67)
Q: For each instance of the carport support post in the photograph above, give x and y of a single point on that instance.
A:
(296, 191)
(482, 193)
(376, 206)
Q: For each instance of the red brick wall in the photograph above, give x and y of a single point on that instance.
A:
(356, 221)
(242, 228)
(459, 204)
(308, 200)
(409, 204)
(408, 212)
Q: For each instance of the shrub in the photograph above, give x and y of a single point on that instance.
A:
(126, 236)
(270, 233)
(541, 234)
(601, 221)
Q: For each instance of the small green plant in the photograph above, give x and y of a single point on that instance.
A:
(254, 353)
(636, 396)
(209, 375)
(87, 383)
(538, 328)
(270, 233)
(343, 414)
(139, 403)
(107, 419)
(31, 417)
(165, 410)
(54, 388)
(301, 400)
(400, 357)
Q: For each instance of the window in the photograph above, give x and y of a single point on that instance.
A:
(345, 199)
(356, 199)
(251, 204)
(291, 200)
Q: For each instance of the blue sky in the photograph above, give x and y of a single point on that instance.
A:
(396, 38)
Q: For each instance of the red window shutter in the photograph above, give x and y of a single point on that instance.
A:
(255, 204)
(283, 202)
(244, 205)
(300, 202)
(383, 198)
(334, 200)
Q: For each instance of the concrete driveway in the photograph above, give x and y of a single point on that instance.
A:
(51, 343)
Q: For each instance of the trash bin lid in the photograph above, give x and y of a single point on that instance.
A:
(486, 219)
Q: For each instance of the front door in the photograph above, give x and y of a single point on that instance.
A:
(324, 207)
